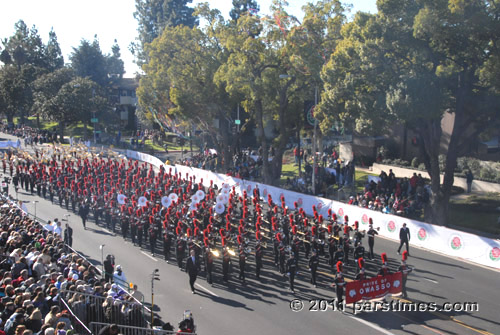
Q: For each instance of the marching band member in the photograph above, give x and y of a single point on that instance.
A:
(405, 269)
(313, 266)
(339, 283)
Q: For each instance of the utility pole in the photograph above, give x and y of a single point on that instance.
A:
(35, 202)
(95, 123)
(102, 260)
(154, 276)
(314, 141)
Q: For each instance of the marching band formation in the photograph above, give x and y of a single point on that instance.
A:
(167, 211)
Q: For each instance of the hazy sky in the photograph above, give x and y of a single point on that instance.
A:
(108, 19)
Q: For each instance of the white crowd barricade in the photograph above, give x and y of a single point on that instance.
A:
(8, 144)
(454, 243)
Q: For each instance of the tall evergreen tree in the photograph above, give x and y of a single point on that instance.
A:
(25, 46)
(154, 15)
(241, 7)
(87, 60)
(53, 53)
(115, 64)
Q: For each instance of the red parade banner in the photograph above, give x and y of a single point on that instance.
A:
(373, 288)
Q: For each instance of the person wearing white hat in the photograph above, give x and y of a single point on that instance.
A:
(119, 277)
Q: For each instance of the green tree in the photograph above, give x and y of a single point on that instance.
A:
(115, 65)
(241, 7)
(25, 46)
(414, 62)
(15, 90)
(47, 89)
(87, 60)
(154, 15)
(53, 54)
(179, 79)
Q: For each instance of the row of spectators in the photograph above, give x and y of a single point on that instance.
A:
(30, 135)
(44, 284)
(400, 196)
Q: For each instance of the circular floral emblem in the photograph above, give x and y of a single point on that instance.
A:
(495, 254)
(456, 242)
(364, 219)
(422, 234)
(391, 226)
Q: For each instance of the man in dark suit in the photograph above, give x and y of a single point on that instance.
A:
(404, 237)
(192, 268)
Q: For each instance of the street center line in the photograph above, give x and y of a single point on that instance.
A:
(431, 280)
(207, 290)
(148, 255)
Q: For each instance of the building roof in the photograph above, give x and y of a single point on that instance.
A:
(126, 84)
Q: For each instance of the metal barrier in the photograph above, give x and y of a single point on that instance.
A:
(93, 308)
(76, 323)
(131, 330)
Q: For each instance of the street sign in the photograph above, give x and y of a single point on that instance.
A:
(97, 131)
(94, 120)
(237, 121)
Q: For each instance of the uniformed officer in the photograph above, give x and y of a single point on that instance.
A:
(313, 266)
(133, 231)
(339, 254)
(140, 228)
(384, 271)
(226, 262)
(209, 264)
(371, 239)
(180, 248)
(259, 252)
(167, 242)
(153, 233)
(282, 256)
(339, 285)
(125, 226)
(332, 248)
(361, 270)
(291, 269)
(359, 251)
(405, 269)
(242, 262)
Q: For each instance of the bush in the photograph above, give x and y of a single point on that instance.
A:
(474, 165)
(497, 179)
(414, 162)
(487, 173)
(462, 164)
(421, 166)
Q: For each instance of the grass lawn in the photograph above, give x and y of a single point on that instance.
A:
(477, 212)
(171, 146)
(361, 178)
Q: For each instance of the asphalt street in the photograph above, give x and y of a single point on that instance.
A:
(264, 306)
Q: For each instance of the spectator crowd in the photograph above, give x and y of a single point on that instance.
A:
(392, 195)
(47, 288)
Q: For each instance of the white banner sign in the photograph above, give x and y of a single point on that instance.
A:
(451, 242)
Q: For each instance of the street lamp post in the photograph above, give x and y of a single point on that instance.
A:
(154, 276)
(102, 259)
(35, 202)
(314, 142)
(93, 113)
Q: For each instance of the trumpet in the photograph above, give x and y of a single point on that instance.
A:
(215, 252)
